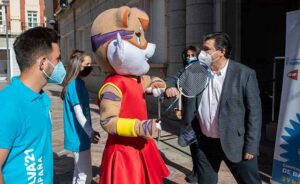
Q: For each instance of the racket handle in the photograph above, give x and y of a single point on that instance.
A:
(180, 102)
(159, 108)
(159, 101)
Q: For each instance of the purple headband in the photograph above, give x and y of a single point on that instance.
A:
(100, 39)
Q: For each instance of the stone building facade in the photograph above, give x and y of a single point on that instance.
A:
(256, 28)
(174, 24)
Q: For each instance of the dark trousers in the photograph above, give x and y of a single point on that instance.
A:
(194, 148)
(209, 158)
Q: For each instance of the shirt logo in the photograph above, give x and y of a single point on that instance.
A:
(34, 169)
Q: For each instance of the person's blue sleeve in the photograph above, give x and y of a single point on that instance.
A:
(10, 127)
(73, 93)
(171, 80)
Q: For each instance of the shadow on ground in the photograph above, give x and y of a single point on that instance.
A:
(64, 166)
(54, 93)
(175, 165)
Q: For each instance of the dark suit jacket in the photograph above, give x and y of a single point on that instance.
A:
(240, 114)
(187, 135)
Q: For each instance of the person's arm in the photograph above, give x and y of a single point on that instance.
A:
(153, 85)
(254, 119)
(171, 81)
(82, 120)
(10, 128)
(3, 156)
(73, 95)
(110, 97)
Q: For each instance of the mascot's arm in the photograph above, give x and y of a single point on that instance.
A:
(110, 105)
(154, 85)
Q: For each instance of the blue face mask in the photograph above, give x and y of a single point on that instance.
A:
(190, 59)
(58, 73)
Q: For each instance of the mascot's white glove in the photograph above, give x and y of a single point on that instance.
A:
(158, 125)
(155, 91)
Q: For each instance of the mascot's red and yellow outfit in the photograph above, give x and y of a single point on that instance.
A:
(130, 155)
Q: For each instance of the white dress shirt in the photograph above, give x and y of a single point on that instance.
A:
(209, 106)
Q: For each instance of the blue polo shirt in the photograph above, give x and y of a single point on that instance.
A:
(25, 130)
(75, 138)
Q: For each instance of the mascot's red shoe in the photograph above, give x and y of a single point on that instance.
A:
(130, 155)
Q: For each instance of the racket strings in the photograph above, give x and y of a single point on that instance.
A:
(193, 80)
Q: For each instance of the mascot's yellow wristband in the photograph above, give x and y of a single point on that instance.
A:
(125, 127)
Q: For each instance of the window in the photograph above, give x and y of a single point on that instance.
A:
(32, 19)
(1, 18)
(3, 63)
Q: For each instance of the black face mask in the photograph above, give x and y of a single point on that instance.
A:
(86, 71)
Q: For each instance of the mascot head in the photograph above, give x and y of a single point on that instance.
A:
(118, 40)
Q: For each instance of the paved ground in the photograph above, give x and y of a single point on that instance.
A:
(177, 158)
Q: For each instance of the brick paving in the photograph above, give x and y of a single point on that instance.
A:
(177, 158)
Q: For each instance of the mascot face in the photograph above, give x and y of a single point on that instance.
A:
(127, 59)
(118, 40)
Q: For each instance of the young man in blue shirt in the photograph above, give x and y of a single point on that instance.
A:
(25, 126)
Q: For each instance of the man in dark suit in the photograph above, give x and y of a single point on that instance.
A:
(226, 117)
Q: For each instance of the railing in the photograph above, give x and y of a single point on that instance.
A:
(26, 25)
(3, 28)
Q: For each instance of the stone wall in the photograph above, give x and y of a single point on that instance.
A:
(173, 26)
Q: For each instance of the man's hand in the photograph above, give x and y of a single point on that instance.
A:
(172, 92)
(248, 156)
(178, 113)
(3, 156)
(95, 137)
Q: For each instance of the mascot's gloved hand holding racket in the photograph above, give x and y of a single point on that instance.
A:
(118, 40)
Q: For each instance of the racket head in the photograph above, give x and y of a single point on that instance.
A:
(194, 79)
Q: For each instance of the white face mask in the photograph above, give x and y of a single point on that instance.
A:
(205, 58)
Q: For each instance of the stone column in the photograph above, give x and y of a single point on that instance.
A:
(176, 34)
(199, 20)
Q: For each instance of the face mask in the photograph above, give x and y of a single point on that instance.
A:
(190, 59)
(86, 71)
(205, 58)
(58, 73)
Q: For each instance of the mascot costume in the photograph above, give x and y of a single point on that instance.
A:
(130, 155)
